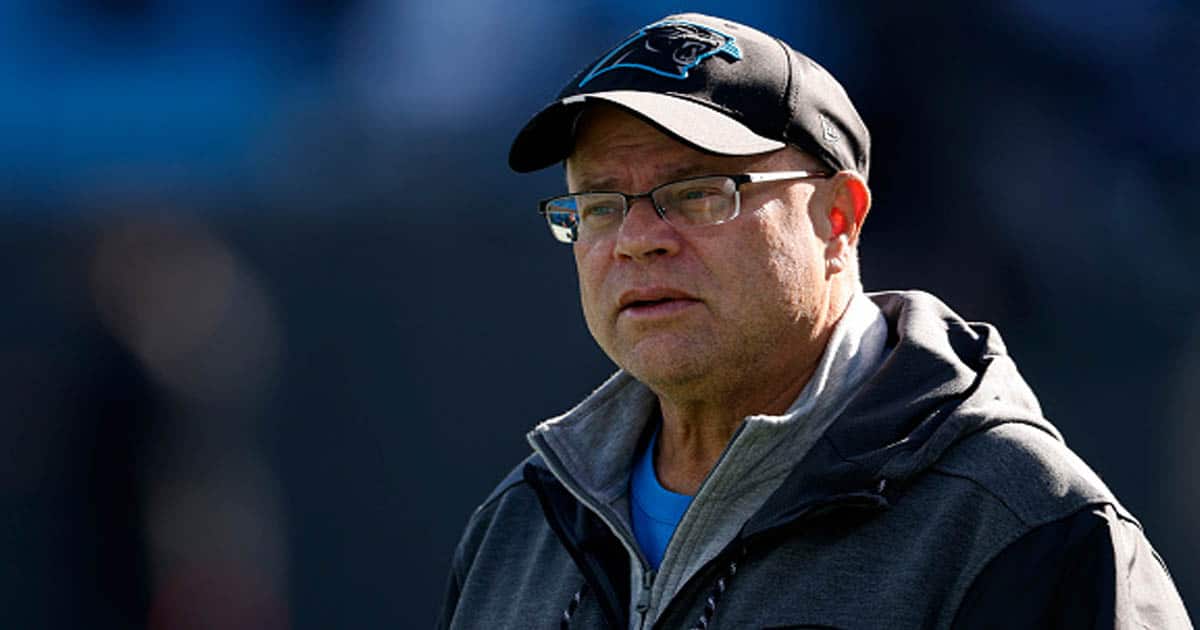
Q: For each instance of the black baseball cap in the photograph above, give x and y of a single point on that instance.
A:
(719, 86)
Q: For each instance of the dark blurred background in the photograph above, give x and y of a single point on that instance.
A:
(280, 316)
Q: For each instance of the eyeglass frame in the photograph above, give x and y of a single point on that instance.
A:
(738, 180)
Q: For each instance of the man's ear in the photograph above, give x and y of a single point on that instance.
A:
(851, 203)
(848, 209)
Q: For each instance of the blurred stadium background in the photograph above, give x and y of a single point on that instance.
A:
(279, 315)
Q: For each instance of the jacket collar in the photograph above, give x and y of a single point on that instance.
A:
(943, 380)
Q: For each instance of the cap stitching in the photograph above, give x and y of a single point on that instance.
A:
(707, 103)
(786, 97)
(808, 142)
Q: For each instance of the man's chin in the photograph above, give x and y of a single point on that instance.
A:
(666, 366)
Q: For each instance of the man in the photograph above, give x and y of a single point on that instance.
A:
(778, 449)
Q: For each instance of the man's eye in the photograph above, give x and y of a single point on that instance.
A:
(694, 194)
(599, 211)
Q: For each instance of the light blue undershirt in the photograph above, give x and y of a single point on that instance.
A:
(656, 510)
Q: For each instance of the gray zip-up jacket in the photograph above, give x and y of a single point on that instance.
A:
(938, 497)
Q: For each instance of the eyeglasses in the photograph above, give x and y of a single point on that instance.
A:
(692, 202)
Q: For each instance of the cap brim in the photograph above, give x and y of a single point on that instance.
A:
(550, 136)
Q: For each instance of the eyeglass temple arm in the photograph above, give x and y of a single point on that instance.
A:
(781, 175)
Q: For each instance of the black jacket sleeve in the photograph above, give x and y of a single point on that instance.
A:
(1093, 569)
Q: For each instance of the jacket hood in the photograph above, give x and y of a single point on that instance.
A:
(942, 380)
(945, 380)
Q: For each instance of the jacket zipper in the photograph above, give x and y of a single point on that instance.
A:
(643, 600)
(646, 592)
(648, 574)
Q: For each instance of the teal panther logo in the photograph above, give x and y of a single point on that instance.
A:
(669, 48)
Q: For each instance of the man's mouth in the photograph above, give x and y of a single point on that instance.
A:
(641, 303)
(654, 301)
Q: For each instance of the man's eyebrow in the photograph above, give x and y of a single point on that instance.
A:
(599, 182)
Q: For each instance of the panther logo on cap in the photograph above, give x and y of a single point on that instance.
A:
(669, 48)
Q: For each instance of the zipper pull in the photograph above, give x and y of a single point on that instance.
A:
(643, 600)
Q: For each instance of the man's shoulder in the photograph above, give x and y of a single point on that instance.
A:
(515, 479)
(509, 507)
(1031, 472)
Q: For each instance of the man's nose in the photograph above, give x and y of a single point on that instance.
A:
(644, 235)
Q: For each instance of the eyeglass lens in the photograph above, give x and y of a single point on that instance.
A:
(692, 202)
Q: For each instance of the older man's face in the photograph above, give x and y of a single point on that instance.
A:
(701, 308)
